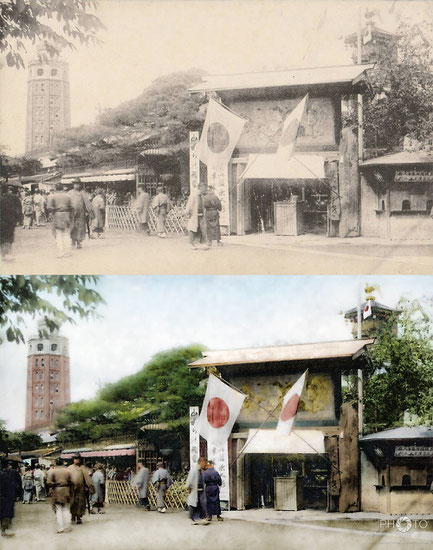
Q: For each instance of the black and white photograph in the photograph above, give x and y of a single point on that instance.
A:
(217, 137)
(216, 274)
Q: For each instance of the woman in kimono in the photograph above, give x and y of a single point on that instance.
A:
(97, 500)
(28, 486)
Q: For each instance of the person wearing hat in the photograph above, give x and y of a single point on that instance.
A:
(81, 210)
(97, 500)
(28, 210)
(60, 481)
(161, 205)
(59, 206)
(212, 482)
(10, 208)
(82, 487)
(142, 206)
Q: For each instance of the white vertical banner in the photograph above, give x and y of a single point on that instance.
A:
(194, 161)
(219, 180)
(220, 456)
(194, 437)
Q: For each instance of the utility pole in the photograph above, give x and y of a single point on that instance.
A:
(360, 376)
(360, 105)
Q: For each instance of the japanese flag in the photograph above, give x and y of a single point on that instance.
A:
(221, 131)
(221, 407)
(290, 131)
(367, 310)
(290, 406)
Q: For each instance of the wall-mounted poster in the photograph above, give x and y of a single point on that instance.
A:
(317, 400)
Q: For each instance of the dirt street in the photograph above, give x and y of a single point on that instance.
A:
(122, 252)
(128, 528)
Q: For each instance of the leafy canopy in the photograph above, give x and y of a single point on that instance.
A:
(17, 441)
(401, 99)
(58, 23)
(29, 294)
(400, 375)
(163, 390)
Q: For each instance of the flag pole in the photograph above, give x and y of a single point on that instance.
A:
(271, 414)
(257, 431)
(359, 377)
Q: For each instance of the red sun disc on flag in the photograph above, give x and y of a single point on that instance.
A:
(218, 137)
(290, 408)
(217, 412)
(290, 133)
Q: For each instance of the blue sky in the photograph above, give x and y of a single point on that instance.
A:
(147, 314)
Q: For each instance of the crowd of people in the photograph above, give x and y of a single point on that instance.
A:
(76, 488)
(73, 214)
(76, 213)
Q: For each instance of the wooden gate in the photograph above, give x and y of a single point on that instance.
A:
(126, 492)
(126, 217)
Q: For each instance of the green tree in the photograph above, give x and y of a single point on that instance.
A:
(17, 441)
(58, 24)
(29, 294)
(165, 388)
(400, 374)
(401, 99)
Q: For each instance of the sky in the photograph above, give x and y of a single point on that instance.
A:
(145, 39)
(147, 314)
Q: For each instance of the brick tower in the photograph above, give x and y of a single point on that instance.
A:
(48, 103)
(48, 378)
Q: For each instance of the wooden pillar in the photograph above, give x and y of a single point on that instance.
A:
(334, 206)
(240, 476)
(349, 460)
(349, 185)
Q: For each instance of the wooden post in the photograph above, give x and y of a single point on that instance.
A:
(349, 184)
(349, 460)
(240, 478)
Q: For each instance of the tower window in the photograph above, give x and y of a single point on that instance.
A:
(42, 88)
(36, 414)
(42, 387)
(51, 375)
(36, 362)
(57, 375)
(53, 347)
(40, 72)
(42, 401)
(42, 363)
(36, 388)
(57, 389)
(53, 72)
(57, 362)
(42, 414)
(40, 347)
(36, 401)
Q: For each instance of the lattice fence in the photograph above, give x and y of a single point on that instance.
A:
(125, 492)
(126, 217)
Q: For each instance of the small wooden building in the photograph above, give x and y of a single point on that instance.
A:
(323, 447)
(397, 196)
(397, 471)
(322, 174)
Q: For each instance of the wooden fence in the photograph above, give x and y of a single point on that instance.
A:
(125, 492)
(126, 217)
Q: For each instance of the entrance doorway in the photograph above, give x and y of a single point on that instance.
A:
(262, 468)
(313, 194)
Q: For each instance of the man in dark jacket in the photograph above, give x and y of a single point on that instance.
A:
(10, 209)
(8, 495)
(212, 482)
